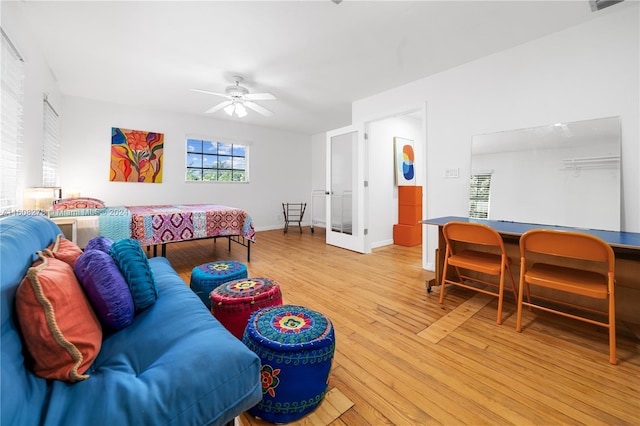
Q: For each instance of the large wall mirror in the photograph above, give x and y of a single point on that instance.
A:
(564, 174)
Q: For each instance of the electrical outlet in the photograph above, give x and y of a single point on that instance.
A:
(452, 173)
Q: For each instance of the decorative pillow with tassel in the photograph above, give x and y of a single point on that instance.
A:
(61, 332)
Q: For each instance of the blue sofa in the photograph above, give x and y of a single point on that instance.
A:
(175, 365)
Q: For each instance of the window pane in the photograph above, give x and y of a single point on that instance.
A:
(225, 176)
(238, 176)
(209, 147)
(224, 148)
(239, 163)
(194, 160)
(210, 175)
(194, 145)
(224, 162)
(239, 150)
(194, 174)
(208, 161)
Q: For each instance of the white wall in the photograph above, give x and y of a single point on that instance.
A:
(588, 71)
(38, 81)
(279, 161)
(315, 210)
(383, 193)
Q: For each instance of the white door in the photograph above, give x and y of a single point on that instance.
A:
(346, 189)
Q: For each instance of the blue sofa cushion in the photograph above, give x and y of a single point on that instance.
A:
(106, 289)
(134, 266)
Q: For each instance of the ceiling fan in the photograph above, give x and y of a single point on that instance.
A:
(239, 99)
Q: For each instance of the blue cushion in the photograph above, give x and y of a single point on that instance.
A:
(106, 289)
(99, 243)
(134, 266)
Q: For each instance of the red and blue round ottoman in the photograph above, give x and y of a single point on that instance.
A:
(296, 347)
(233, 302)
(208, 276)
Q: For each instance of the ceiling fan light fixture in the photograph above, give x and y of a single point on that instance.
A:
(229, 109)
(241, 111)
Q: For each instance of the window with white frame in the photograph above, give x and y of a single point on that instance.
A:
(51, 146)
(11, 119)
(479, 191)
(210, 160)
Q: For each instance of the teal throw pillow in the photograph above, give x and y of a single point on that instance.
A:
(134, 266)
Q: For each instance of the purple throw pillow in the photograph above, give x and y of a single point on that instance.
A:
(99, 243)
(106, 289)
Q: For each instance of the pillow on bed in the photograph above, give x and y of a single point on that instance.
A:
(61, 331)
(79, 203)
(134, 266)
(106, 289)
(63, 249)
(99, 243)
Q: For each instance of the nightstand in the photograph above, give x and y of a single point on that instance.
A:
(68, 226)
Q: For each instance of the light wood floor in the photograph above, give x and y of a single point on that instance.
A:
(553, 373)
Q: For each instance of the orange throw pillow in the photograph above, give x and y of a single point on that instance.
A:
(61, 331)
(65, 250)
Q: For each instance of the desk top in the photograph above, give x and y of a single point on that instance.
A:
(615, 239)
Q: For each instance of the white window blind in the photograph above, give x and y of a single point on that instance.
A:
(479, 191)
(51, 146)
(11, 117)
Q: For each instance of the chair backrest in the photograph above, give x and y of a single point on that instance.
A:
(472, 233)
(576, 245)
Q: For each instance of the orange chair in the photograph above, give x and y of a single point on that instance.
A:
(593, 277)
(483, 252)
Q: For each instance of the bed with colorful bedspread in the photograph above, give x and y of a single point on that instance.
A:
(161, 224)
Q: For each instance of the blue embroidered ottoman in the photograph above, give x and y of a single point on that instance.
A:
(296, 347)
(233, 302)
(206, 277)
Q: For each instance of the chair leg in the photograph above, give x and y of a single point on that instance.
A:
(500, 297)
(520, 294)
(444, 278)
(612, 328)
(513, 283)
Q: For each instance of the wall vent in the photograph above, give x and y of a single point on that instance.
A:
(601, 4)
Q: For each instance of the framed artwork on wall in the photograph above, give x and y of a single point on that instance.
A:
(136, 156)
(404, 158)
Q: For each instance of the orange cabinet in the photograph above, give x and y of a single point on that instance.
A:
(408, 232)
(407, 235)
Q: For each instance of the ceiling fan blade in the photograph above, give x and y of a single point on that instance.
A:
(260, 97)
(218, 107)
(210, 93)
(258, 108)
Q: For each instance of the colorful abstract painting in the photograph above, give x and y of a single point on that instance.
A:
(404, 162)
(136, 156)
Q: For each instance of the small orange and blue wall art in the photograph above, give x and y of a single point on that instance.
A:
(404, 161)
(136, 156)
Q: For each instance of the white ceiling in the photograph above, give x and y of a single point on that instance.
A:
(316, 57)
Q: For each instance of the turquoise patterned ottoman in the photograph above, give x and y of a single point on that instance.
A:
(296, 347)
(206, 277)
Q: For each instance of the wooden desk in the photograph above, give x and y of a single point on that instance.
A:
(626, 246)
